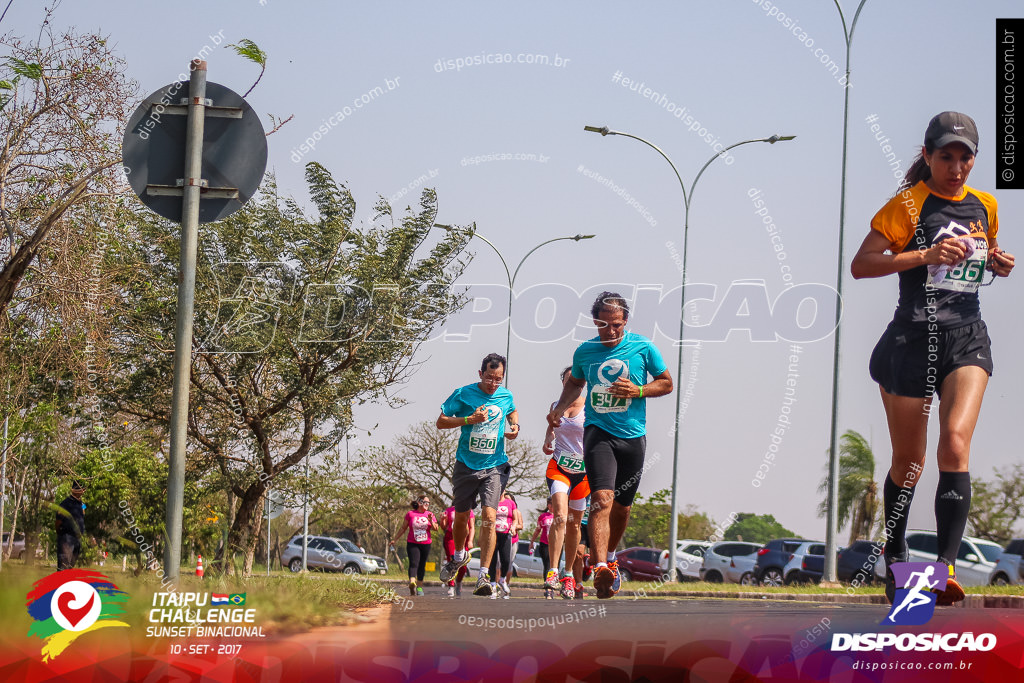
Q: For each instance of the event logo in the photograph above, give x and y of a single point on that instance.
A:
(70, 603)
(916, 582)
(611, 370)
(913, 605)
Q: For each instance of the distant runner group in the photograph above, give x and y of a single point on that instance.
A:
(597, 440)
(936, 233)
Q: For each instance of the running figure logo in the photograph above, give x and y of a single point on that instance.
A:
(915, 600)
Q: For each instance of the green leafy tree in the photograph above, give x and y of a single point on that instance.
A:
(997, 505)
(297, 318)
(755, 528)
(858, 492)
(64, 99)
(649, 522)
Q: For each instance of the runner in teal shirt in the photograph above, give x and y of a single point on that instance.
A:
(632, 358)
(613, 367)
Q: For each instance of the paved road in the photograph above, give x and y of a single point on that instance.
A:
(435, 638)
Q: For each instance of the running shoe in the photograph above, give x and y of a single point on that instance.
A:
(458, 589)
(419, 591)
(451, 591)
(452, 567)
(614, 566)
(952, 593)
(568, 590)
(551, 580)
(506, 590)
(483, 586)
(547, 594)
(604, 577)
(412, 586)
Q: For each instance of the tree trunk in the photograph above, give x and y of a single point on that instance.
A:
(245, 530)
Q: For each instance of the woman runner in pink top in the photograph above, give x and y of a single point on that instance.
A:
(419, 521)
(448, 522)
(543, 525)
(504, 524)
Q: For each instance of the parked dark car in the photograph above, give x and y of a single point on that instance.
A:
(809, 565)
(773, 558)
(639, 564)
(856, 564)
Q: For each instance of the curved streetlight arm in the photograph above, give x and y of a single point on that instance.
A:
(770, 140)
(848, 34)
(474, 233)
(606, 131)
(576, 238)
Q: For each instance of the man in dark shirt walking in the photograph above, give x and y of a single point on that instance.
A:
(70, 525)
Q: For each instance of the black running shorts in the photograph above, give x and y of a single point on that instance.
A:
(913, 361)
(613, 464)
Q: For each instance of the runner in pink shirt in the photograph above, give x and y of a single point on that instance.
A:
(504, 528)
(543, 525)
(419, 521)
(448, 522)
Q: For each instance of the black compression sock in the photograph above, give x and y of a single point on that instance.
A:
(952, 503)
(896, 504)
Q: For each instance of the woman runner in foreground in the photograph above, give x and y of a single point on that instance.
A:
(940, 236)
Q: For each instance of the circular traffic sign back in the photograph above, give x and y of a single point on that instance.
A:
(234, 151)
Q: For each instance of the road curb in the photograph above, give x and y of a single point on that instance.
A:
(971, 601)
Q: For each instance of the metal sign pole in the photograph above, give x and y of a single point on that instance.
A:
(305, 519)
(186, 303)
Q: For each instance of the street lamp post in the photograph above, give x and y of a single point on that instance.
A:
(687, 198)
(511, 278)
(832, 496)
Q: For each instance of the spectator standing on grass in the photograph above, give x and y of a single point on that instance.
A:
(481, 412)
(419, 521)
(70, 526)
(940, 236)
(613, 367)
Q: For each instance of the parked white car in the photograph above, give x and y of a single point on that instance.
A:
(1009, 568)
(975, 560)
(730, 561)
(689, 559)
(474, 563)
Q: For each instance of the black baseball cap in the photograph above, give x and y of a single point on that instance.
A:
(952, 126)
(77, 485)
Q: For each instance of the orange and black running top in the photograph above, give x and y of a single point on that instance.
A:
(917, 218)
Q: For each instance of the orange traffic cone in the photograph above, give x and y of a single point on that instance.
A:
(199, 567)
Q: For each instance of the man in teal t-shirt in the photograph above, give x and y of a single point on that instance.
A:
(613, 367)
(481, 411)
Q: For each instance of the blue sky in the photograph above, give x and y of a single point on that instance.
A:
(740, 73)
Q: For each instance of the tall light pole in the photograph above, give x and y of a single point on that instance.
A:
(687, 198)
(511, 278)
(832, 499)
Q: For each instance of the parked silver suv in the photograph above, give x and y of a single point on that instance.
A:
(337, 554)
(1009, 568)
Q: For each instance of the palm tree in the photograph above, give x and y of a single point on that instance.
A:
(858, 492)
